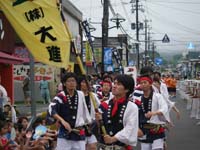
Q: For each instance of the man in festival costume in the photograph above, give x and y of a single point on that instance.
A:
(145, 71)
(105, 93)
(91, 98)
(119, 117)
(70, 109)
(152, 116)
(161, 87)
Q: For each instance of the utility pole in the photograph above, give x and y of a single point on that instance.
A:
(104, 30)
(146, 42)
(153, 52)
(137, 34)
(149, 40)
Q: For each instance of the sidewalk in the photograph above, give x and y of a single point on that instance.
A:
(26, 110)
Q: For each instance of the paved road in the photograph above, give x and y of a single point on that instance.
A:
(186, 134)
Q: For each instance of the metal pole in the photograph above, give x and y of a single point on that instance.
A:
(32, 86)
(145, 54)
(153, 52)
(137, 36)
(104, 31)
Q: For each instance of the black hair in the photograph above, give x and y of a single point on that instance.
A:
(107, 76)
(67, 76)
(18, 126)
(2, 124)
(147, 70)
(37, 122)
(21, 119)
(83, 78)
(158, 73)
(127, 81)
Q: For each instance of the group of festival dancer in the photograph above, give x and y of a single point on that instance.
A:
(113, 113)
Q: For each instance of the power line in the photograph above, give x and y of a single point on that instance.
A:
(177, 9)
(126, 14)
(164, 19)
(177, 2)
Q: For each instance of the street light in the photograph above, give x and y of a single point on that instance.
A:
(91, 27)
(117, 19)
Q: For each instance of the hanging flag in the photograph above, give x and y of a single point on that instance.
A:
(88, 54)
(39, 25)
(107, 56)
(98, 54)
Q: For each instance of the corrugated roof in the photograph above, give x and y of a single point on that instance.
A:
(72, 10)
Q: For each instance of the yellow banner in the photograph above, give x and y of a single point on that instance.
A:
(88, 54)
(39, 25)
(70, 67)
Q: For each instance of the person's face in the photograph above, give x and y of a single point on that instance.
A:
(71, 83)
(145, 85)
(118, 89)
(6, 108)
(10, 126)
(156, 77)
(4, 130)
(24, 123)
(106, 87)
(84, 85)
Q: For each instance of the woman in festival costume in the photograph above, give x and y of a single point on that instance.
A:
(70, 109)
(91, 98)
(119, 116)
(152, 116)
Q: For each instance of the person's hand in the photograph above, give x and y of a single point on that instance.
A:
(104, 98)
(109, 139)
(29, 134)
(149, 114)
(178, 115)
(12, 146)
(140, 133)
(66, 125)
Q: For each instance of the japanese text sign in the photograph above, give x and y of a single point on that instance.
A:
(39, 25)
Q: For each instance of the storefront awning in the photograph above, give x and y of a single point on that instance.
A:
(9, 59)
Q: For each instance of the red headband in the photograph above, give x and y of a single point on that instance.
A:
(146, 79)
(107, 82)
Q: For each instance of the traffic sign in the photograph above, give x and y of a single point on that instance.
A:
(190, 46)
(165, 39)
(158, 61)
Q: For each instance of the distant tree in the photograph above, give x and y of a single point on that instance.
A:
(176, 59)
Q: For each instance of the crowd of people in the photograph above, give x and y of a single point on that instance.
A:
(90, 113)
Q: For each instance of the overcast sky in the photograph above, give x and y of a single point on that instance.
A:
(179, 19)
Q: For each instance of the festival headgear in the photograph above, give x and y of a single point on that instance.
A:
(103, 82)
(146, 79)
